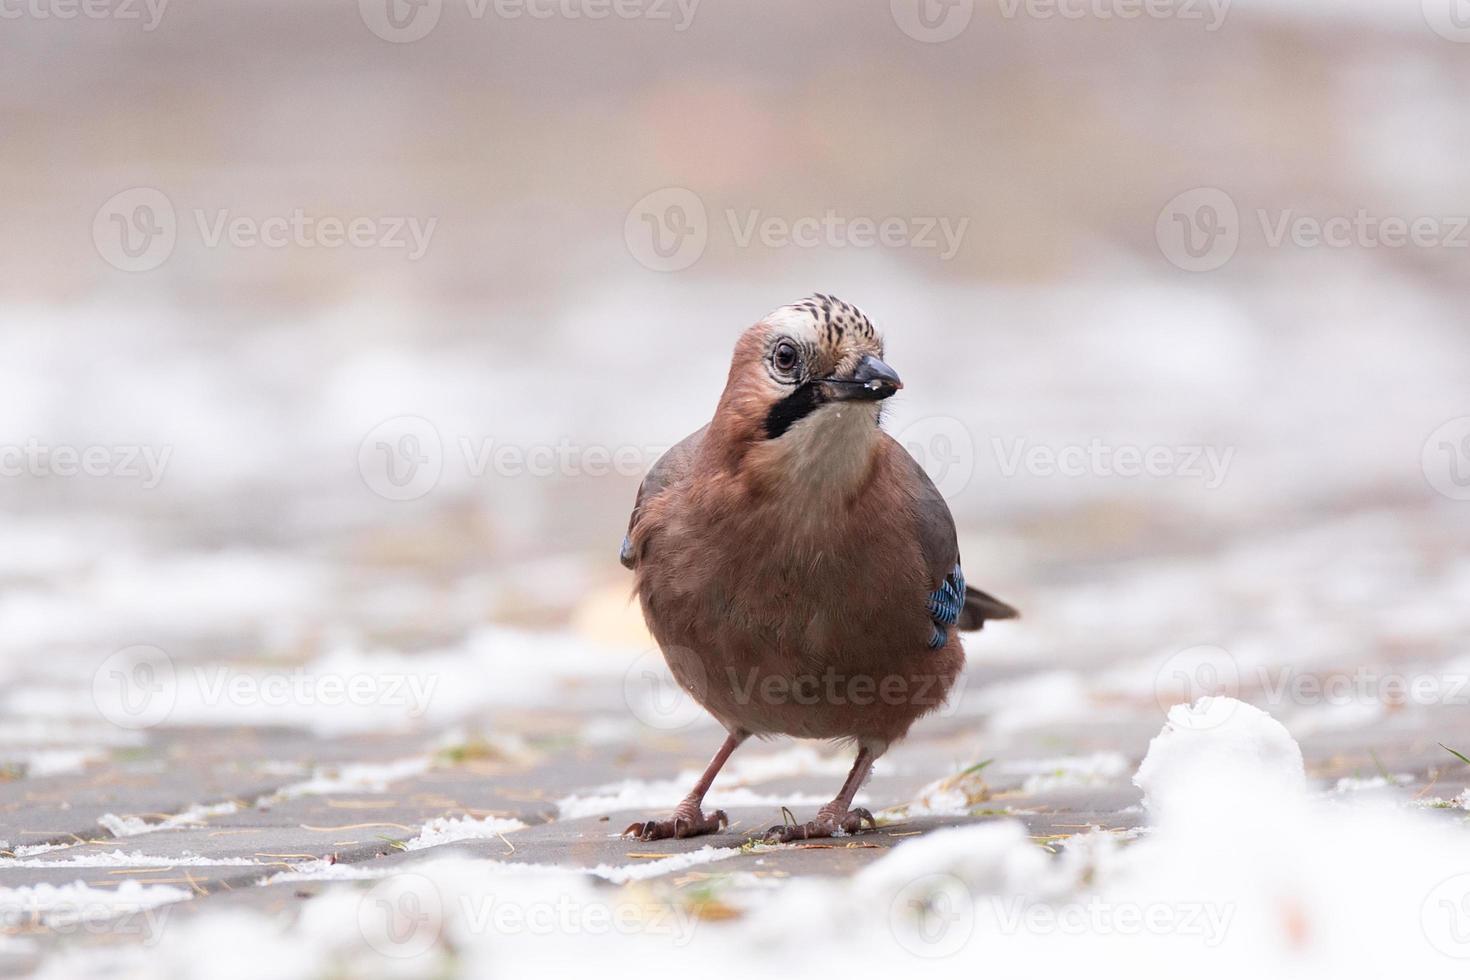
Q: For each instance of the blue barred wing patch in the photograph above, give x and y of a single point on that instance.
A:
(945, 604)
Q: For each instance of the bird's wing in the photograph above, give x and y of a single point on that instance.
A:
(670, 467)
(952, 602)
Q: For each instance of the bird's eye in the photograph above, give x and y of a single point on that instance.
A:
(784, 357)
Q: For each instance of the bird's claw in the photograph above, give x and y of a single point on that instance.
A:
(681, 825)
(826, 825)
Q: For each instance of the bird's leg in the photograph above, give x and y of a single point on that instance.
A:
(837, 816)
(688, 819)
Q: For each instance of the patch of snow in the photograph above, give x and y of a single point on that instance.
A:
(321, 869)
(620, 874)
(81, 733)
(798, 760)
(1275, 884)
(357, 777)
(64, 905)
(1065, 772)
(1223, 755)
(349, 688)
(611, 730)
(1032, 702)
(1336, 717)
(118, 859)
(1354, 784)
(665, 794)
(131, 826)
(1460, 801)
(995, 857)
(953, 796)
(447, 830)
(57, 762)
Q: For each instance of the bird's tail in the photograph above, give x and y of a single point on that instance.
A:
(981, 606)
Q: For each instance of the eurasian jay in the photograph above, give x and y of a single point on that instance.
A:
(796, 566)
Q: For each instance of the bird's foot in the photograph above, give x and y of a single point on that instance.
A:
(829, 823)
(685, 823)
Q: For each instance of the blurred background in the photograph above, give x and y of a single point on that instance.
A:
(344, 325)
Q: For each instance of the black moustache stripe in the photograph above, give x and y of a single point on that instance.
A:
(792, 409)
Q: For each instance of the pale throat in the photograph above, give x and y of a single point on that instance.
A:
(825, 457)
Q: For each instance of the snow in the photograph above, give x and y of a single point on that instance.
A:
(1243, 874)
(621, 874)
(349, 688)
(663, 794)
(193, 816)
(1065, 772)
(322, 869)
(357, 777)
(952, 796)
(1355, 784)
(1221, 755)
(730, 788)
(799, 759)
(118, 859)
(994, 857)
(57, 762)
(325, 780)
(63, 905)
(1032, 702)
(447, 830)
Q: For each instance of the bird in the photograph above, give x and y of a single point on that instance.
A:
(796, 566)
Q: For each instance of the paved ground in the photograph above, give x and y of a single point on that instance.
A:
(196, 816)
(271, 804)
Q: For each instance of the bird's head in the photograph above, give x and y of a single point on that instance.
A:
(806, 385)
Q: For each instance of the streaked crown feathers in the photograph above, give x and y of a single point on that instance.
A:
(826, 320)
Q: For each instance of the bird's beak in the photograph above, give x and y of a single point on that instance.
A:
(871, 380)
